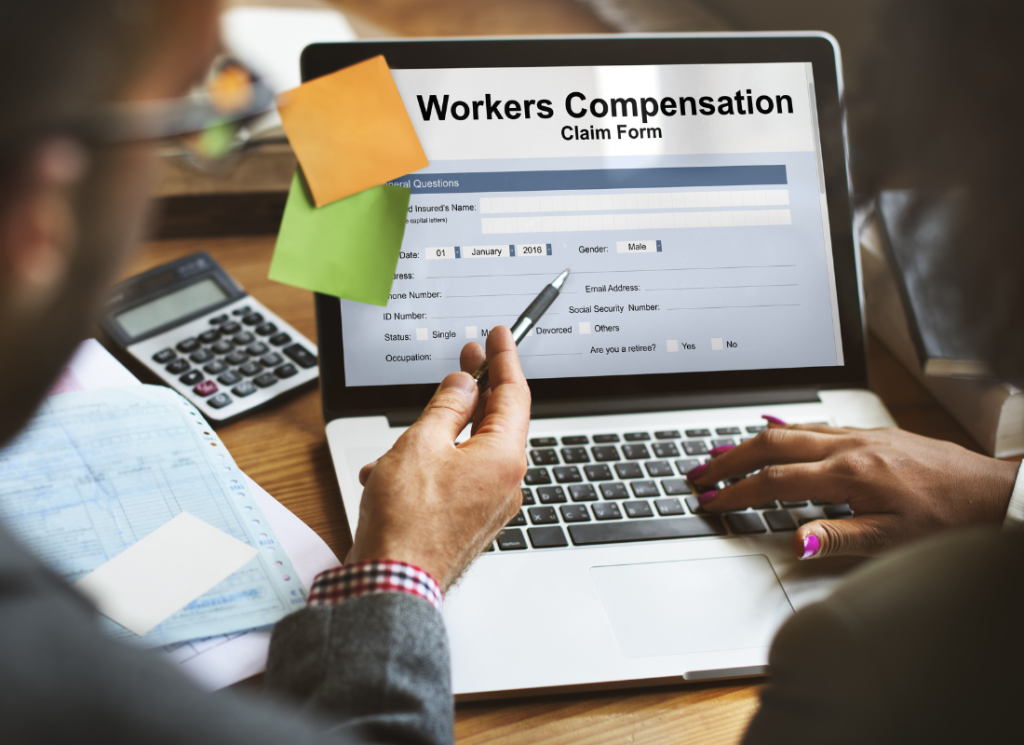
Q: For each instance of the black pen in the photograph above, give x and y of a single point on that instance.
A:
(527, 321)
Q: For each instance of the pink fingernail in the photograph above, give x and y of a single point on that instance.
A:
(720, 449)
(774, 420)
(705, 497)
(696, 473)
(811, 545)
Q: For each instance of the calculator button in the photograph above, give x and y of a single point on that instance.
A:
(266, 329)
(242, 339)
(243, 311)
(189, 345)
(209, 337)
(215, 368)
(286, 371)
(205, 388)
(219, 401)
(194, 376)
(265, 380)
(230, 328)
(229, 378)
(300, 355)
(218, 320)
(257, 349)
(236, 358)
(200, 356)
(250, 368)
(253, 319)
(280, 339)
(244, 389)
(222, 347)
(164, 355)
(178, 366)
(271, 360)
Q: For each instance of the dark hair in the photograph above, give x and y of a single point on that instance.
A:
(939, 106)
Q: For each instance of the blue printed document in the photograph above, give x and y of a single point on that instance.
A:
(97, 471)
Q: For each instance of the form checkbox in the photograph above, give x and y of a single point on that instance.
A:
(584, 327)
(716, 345)
(470, 332)
(421, 335)
(672, 345)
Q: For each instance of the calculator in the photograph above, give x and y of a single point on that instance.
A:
(204, 336)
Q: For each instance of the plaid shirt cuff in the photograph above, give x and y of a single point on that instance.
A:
(372, 576)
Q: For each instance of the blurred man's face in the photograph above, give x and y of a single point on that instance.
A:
(70, 217)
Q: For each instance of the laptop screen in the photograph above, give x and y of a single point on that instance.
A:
(688, 201)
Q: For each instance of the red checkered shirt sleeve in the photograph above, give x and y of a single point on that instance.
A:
(372, 576)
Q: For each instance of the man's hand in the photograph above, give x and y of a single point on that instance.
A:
(900, 486)
(436, 505)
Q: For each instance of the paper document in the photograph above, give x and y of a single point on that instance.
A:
(97, 471)
(347, 249)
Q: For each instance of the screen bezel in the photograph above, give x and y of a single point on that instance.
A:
(669, 49)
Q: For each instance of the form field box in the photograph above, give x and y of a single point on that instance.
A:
(471, 332)
(634, 221)
(637, 247)
(584, 327)
(486, 252)
(672, 345)
(440, 252)
(636, 201)
(533, 249)
(422, 335)
(716, 345)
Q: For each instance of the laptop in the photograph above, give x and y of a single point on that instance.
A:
(697, 187)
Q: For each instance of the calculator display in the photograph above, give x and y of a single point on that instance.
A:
(178, 304)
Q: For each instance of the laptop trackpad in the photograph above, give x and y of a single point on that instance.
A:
(703, 605)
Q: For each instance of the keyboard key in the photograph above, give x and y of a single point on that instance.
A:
(244, 389)
(643, 489)
(191, 378)
(236, 358)
(575, 440)
(575, 513)
(300, 355)
(253, 319)
(271, 360)
(805, 520)
(279, 339)
(543, 442)
(255, 350)
(250, 368)
(606, 438)
(819, 502)
(755, 428)
(230, 328)
(243, 338)
(537, 476)
(638, 509)
(793, 504)
(222, 347)
(164, 355)
(629, 470)
(511, 539)
(543, 515)
(544, 457)
(605, 453)
(675, 486)
(243, 311)
(695, 447)
(727, 431)
(598, 473)
(229, 378)
(646, 530)
(717, 443)
(266, 329)
(636, 436)
(178, 366)
(528, 497)
(614, 491)
(665, 449)
(583, 493)
(218, 320)
(575, 455)
(838, 511)
(635, 452)
(189, 345)
(552, 537)
(550, 494)
(567, 475)
(667, 507)
(206, 388)
(606, 511)
(745, 523)
(694, 506)
(768, 506)
(686, 465)
(779, 520)
(656, 468)
(698, 433)
(220, 401)
(209, 337)
(519, 519)
(200, 356)
(286, 371)
(265, 380)
(667, 434)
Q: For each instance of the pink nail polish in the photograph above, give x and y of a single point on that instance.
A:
(696, 473)
(773, 420)
(705, 497)
(811, 545)
(714, 452)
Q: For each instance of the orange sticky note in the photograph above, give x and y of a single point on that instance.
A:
(350, 131)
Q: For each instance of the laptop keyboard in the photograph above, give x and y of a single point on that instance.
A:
(585, 490)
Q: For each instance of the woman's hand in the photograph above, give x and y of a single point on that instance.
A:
(900, 486)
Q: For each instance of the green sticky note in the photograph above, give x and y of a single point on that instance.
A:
(348, 248)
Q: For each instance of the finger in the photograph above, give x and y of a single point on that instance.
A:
(795, 482)
(773, 446)
(507, 409)
(860, 535)
(365, 471)
(447, 413)
(470, 359)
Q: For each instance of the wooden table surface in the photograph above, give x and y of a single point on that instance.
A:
(285, 450)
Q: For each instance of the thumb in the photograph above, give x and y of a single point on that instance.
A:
(860, 535)
(449, 411)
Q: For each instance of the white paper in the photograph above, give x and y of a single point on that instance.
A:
(165, 571)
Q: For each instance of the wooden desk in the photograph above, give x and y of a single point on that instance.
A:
(299, 473)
